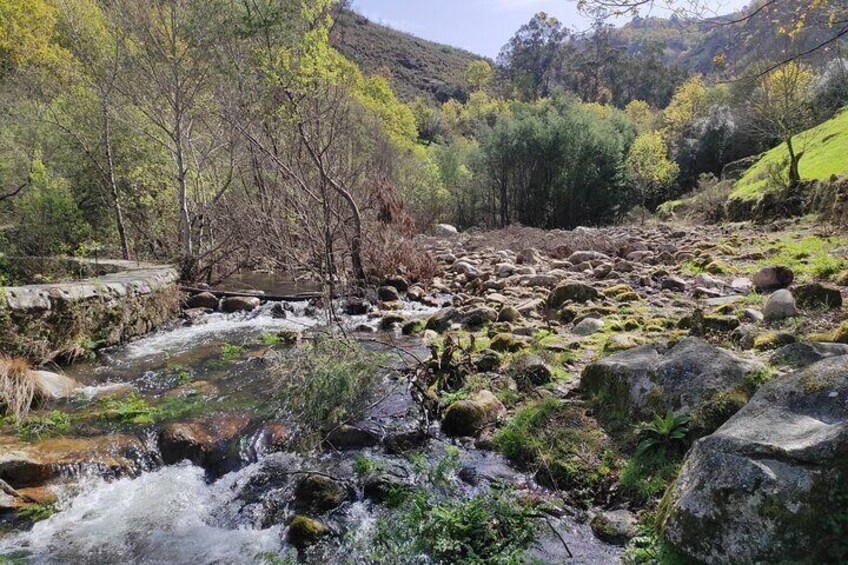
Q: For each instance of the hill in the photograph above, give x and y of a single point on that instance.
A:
(417, 67)
(825, 154)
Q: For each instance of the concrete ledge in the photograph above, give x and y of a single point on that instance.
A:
(66, 319)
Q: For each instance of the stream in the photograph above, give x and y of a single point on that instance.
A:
(234, 509)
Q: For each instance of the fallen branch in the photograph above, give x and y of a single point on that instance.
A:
(299, 297)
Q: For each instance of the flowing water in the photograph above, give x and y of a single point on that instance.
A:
(156, 514)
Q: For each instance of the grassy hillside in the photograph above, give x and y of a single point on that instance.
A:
(825, 153)
(418, 67)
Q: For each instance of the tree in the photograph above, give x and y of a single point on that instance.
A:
(690, 101)
(530, 59)
(781, 110)
(479, 75)
(26, 34)
(649, 169)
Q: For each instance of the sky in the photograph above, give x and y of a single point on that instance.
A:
(480, 26)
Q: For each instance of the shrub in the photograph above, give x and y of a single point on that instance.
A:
(664, 435)
(17, 388)
(327, 383)
(36, 428)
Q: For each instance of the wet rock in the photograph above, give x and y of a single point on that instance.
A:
(356, 307)
(468, 417)
(304, 531)
(815, 295)
(404, 441)
(773, 278)
(319, 493)
(389, 321)
(53, 386)
(616, 527)
(693, 377)
(233, 304)
(571, 291)
(203, 300)
(212, 443)
(766, 486)
(195, 316)
(388, 294)
(802, 354)
(278, 311)
(588, 326)
(346, 437)
(397, 282)
(383, 487)
(779, 306)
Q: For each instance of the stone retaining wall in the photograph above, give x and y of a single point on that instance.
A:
(63, 320)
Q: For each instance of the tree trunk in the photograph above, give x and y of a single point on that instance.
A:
(794, 159)
(113, 185)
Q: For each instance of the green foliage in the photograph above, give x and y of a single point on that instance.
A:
(131, 409)
(231, 352)
(491, 528)
(647, 548)
(808, 257)
(36, 428)
(270, 340)
(662, 435)
(327, 382)
(38, 511)
(649, 167)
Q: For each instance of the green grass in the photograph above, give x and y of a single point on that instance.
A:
(825, 153)
(808, 257)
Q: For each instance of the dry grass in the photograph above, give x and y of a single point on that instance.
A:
(18, 390)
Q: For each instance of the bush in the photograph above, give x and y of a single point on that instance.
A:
(327, 383)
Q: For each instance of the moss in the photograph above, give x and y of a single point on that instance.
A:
(717, 268)
(715, 411)
(772, 340)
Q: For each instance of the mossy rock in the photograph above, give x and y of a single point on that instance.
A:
(305, 531)
(773, 340)
(413, 327)
(507, 342)
(717, 268)
(838, 335)
(319, 493)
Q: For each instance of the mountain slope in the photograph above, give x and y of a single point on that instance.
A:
(417, 67)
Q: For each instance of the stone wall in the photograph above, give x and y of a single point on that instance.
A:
(60, 321)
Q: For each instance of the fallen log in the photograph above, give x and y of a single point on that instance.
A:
(299, 297)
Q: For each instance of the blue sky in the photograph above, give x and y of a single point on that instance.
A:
(481, 26)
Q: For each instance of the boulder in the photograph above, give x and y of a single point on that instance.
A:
(534, 369)
(509, 314)
(468, 417)
(388, 294)
(444, 230)
(773, 278)
(571, 291)
(397, 282)
(801, 354)
(691, 377)
(304, 531)
(239, 304)
(356, 307)
(588, 326)
(203, 300)
(530, 256)
(441, 320)
(346, 437)
(779, 306)
(616, 527)
(675, 284)
(319, 493)
(212, 443)
(770, 485)
(584, 256)
(478, 317)
(815, 295)
(53, 386)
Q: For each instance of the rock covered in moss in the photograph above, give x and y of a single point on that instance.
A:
(441, 320)
(304, 531)
(770, 485)
(319, 493)
(772, 340)
(509, 342)
(616, 527)
(636, 384)
(469, 416)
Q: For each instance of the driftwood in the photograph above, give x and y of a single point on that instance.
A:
(4, 487)
(299, 297)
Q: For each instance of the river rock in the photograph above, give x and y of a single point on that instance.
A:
(692, 377)
(468, 417)
(588, 326)
(388, 294)
(441, 320)
(534, 369)
(346, 437)
(779, 306)
(203, 300)
(478, 317)
(319, 493)
(770, 485)
(773, 278)
(397, 282)
(239, 304)
(816, 295)
(212, 443)
(304, 531)
(53, 386)
(571, 291)
(675, 284)
(509, 314)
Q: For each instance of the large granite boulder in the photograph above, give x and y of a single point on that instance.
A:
(771, 485)
(692, 377)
